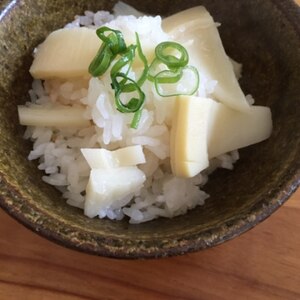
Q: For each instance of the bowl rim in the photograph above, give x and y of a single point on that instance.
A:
(108, 247)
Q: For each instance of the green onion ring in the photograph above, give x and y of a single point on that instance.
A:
(134, 104)
(152, 69)
(143, 58)
(115, 40)
(126, 59)
(136, 119)
(168, 67)
(101, 61)
(169, 60)
(165, 78)
(168, 76)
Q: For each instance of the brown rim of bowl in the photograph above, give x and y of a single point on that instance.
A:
(149, 249)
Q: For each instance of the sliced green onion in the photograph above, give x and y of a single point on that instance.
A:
(115, 39)
(101, 62)
(143, 58)
(168, 76)
(169, 70)
(126, 59)
(163, 50)
(134, 104)
(136, 119)
(112, 45)
(154, 69)
(167, 85)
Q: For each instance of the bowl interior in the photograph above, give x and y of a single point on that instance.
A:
(261, 34)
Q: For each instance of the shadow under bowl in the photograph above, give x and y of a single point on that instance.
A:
(262, 34)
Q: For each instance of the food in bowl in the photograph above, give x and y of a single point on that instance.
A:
(135, 128)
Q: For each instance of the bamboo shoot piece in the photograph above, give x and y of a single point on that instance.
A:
(60, 116)
(65, 53)
(203, 129)
(188, 148)
(197, 31)
(229, 129)
(102, 158)
(68, 52)
(107, 186)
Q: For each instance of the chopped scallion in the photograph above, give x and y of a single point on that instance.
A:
(102, 61)
(186, 79)
(115, 39)
(168, 69)
(134, 104)
(143, 58)
(166, 51)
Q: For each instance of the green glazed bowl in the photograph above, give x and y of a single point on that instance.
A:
(262, 34)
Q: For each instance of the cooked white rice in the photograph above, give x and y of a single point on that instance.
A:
(58, 149)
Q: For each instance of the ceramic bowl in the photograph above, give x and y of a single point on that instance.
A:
(264, 35)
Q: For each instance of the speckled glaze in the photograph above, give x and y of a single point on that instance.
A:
(262, 34)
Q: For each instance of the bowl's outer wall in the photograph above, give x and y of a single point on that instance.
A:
(262, 34)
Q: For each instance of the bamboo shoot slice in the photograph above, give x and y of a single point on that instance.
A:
(65, 53)
(188, 148)
(52, 117)
(196, 30)
(107, 186)
(101, 158)
(229, 129)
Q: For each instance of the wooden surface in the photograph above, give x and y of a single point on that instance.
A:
(263, 263)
